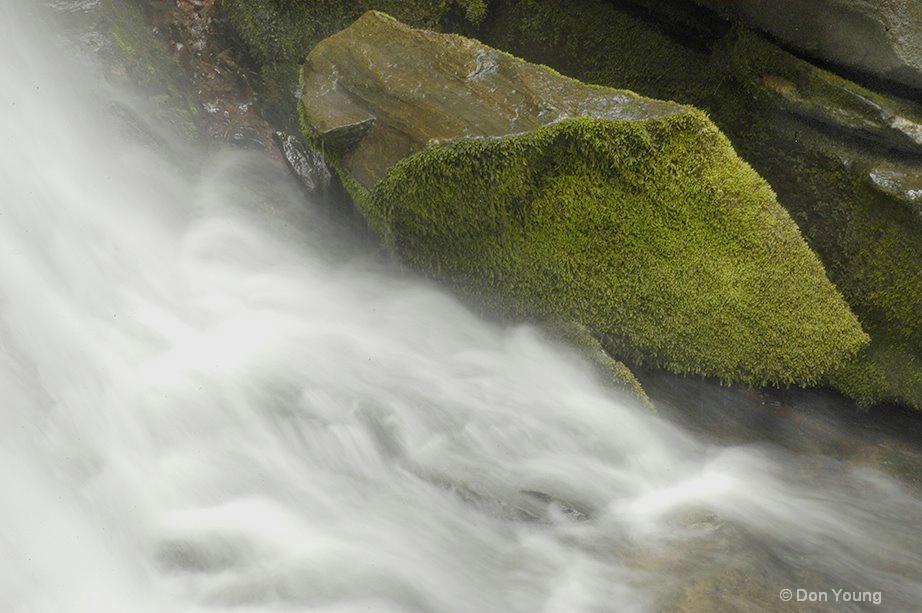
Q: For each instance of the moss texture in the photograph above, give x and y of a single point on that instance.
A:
(654, 234)
(869, 241)
(882, 38)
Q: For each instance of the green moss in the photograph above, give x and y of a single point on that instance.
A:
(870, 242)
(654, 234)
(280, 32)
(872, 245)
(474, 10)
(815, 95)
(650, 232)
(884, 372)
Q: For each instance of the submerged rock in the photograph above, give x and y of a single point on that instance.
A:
(548, 198)
(883, 37)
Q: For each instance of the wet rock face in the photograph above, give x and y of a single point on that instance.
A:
(306, 164)
(844, 108)
(228, 104)
(381, 91)
(877, 137)
(902, 181)
(853, 111)
(543, 197)
(881, 37)
(284, 31)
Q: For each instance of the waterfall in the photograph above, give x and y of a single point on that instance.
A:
(213, 398)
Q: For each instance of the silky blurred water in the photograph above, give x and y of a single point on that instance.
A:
(212, 399)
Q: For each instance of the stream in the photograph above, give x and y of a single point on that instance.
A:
(215, 396)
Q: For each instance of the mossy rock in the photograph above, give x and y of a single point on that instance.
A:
(849, 178)
(380, 91)
(802, 89)
(847, 164)
(276, 35)
(883, 37)
(547, 198)
(595, 41)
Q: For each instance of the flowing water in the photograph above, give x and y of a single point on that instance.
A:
(212, 400)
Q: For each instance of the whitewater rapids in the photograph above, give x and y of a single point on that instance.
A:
(211, 399)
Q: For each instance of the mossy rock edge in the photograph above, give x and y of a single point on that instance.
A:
(650, 231)
(839, 174)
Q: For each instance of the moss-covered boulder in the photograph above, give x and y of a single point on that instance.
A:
(840, 157)
(381, 91)
(549, 198)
